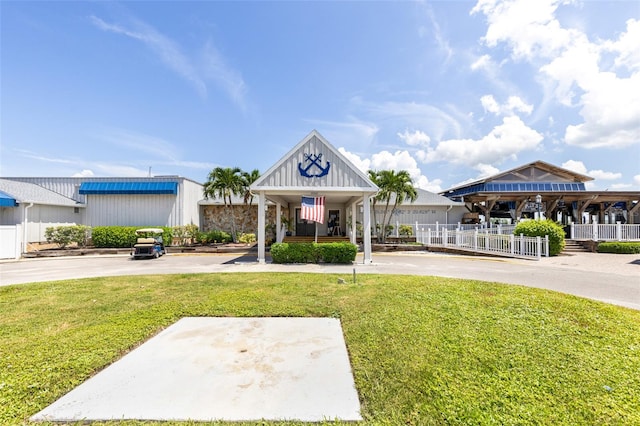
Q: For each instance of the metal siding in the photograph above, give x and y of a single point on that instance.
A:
(131, 210)
(189, 194)
(42, 217)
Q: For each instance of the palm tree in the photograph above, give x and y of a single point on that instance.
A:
(247, 179)
(398, 186)
(225, 182)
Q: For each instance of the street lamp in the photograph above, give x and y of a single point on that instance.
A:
(538, 204)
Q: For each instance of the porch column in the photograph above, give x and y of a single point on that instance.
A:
(354, 226)
(278, 223)
(366, 232)
(261, 225)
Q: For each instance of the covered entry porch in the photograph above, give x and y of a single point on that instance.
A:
(314, 168)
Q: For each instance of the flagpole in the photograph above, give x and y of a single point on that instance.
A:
(316, 239)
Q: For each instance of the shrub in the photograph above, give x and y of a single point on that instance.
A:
(618, 247)
(338, 252)
(247, 238)
(540, 228)
(185, 234)
(65, 235)
(123, 236)
(406, 230)
(213, 236)
(313, 253)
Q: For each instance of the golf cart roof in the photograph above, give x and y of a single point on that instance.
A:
(149, 230)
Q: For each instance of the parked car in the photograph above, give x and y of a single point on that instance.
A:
(148, 244)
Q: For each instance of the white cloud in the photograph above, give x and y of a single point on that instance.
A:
(484, 62)
(166, 49)
(416, 138)
(486, 170)
(601, 174)
(504, 142)
(210, 66)
(621, 186)
(571, 67)
(364, 165)
(84, 173)
(579, 167)
(513, 104)
(636, 180)
(399, 160)
(575, 166)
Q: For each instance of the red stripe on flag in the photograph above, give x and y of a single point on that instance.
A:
(312, 209)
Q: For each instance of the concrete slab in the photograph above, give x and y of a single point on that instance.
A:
(223, 369)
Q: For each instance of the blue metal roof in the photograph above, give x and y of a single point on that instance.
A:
(104, 188)
(7, 200)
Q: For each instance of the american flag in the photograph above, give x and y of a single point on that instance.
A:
(312, 209)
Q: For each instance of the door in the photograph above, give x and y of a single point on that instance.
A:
(304, 227)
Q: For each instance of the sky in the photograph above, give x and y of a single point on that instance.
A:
(451, 91)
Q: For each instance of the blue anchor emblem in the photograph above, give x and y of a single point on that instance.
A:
(314, 160)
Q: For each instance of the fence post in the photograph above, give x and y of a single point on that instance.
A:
(595, 231)
(429, 236)
(619, 231)
(459, 226)
(522, 248)
(397, 229)
(538, 247)
(475, 240)
(416, 229)
(511, 242)
(499, 229)
(546, 246)
(445, 237)
(573, 231)
(437, 226)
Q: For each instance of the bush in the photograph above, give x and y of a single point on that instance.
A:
(540, 228)
(123, 236)
(313, 253)
(65, 235)
(247, 238)
(405, 230)
(619, 247)
(213, 236)
(338, 252)
(185, 234)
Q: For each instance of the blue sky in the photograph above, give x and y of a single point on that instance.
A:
(451, 91)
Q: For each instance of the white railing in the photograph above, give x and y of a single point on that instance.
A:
(486, 242)
(605, 232)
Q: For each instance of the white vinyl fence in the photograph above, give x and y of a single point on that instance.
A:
(605, 232)
(483, 241)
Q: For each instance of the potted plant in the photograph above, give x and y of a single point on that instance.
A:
(288, 224)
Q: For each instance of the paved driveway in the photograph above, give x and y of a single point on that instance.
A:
(609, 278)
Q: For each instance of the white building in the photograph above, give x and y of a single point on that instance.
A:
(35, 203)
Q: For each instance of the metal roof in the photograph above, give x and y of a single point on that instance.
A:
(105, 188)
(24, 192)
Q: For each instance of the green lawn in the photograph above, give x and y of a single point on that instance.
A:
(424, 350)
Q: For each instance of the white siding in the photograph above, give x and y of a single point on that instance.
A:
(189, 194)
(340, 174)
(409, 215)
(132, 210)
(41, 217)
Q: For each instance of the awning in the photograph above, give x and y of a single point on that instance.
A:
(148, 188)
(7, 200)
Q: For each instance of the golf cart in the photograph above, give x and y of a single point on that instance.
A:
(148, 243)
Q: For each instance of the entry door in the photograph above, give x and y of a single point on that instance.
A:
(304, 227)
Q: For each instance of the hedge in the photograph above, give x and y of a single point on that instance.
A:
(540, 228)
(619, 247)
(123, 236)
(67, 234)
(313, 252)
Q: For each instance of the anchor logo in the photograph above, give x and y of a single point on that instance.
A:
(314, 160)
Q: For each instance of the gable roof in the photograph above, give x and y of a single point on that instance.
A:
(25, 192)
(314, 165)
(526, 173)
